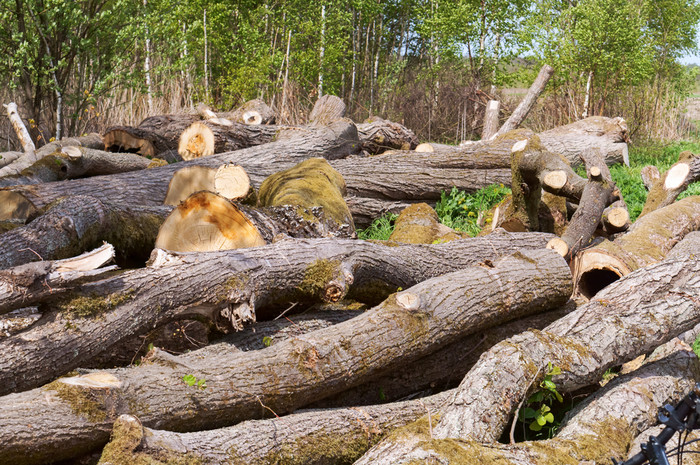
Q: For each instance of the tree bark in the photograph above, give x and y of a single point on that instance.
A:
(289, 375)
(649, 174)
(308, 437)
(632, 316)
(327, 109)
(607, 134)
(381, 135)
(149, 187)
(204, 138)
(80, 223)
(74, 162)
(491, 119)
(153, 135)
(23, 136)
(668, 187)
(602, 427)
(528, 102)
(647, 241)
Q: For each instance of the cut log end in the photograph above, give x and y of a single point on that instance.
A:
(15, 206)
(187, 181)
(232, 182)
(196, 141)
(596, 270)
(555, 179)
(206, 222)
(98, 380)
(425, 147)
(252, 117)
(559, 246)
(676, 176)
(617, 217)
(595, 172)
(519, 146)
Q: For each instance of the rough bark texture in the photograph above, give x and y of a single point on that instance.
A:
(632, 316)
(204, 138)
(601, 428)
(647, 241)
(183, 285)
(149, 187)
(669, 186)
(528, 102)
(23, 136)
(153, 135)
(491, 119)
(80, 223)
(285, 377)
(327, 109)
(74, 162)
(380, 135)
(649, 174)
(308, 437)
(609, 135)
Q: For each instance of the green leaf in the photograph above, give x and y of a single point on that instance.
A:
(267, 341)
(549, 385)
(541, 420)
(534, 426)
(549, 418)
(190, 380)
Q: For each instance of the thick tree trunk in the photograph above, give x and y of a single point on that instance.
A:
(327, 109)
(528, 102)
(153, 135)
(647, 241)
(228, 181)
(80, 223)
(74, 162)
(601, 429)
(668, 187)
(204, 138)
(381, 135)
(285, 377)
(607, 134)
(309, 437)
(149, 187)
(491, 119)
(632, 316)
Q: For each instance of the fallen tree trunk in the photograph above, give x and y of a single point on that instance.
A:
(73, 162)
(647, 241)
(204, 138)
(252, 112)
(609, 135)
(80, 223)
(153, 135)
(285, 377)
(149, 187)
(668, 187)
(232, 282)
(326, 110)
(313, 437)
(601, 428)
(632, 316)
(380, 135)
(528, 102)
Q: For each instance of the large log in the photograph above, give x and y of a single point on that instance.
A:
(326, 110)
(380, 135)
(204, 138)
(252, 112)
(675, 180)
(73, 415)
(601, 427)
(632, 316)
(149, 187)
(419, 224)
(647, 241)
(229, 181)
(609, 135)
(80, 223)
(153, 135)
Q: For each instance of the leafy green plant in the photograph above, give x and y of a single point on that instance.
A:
(192, 380)
(538, 414)
(461, 211)
(267, 341)
(380, 229)
(696, 346)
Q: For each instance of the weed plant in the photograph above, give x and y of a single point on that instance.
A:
(380, 229)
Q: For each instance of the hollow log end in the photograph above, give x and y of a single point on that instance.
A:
(205, 222)
(119, 140)
(187, 181)
(15, 206)
(196, 141)
(597, 268)
(252, 117)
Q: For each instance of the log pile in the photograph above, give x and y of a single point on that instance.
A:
(425, 348)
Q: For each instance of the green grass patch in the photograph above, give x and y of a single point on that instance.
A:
(380, 229)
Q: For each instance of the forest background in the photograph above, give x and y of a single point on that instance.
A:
(81, 66)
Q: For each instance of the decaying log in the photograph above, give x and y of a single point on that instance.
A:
(649, 174)
(28, 284)
(327, 109)
(308, 437)
(285, 377)
(149, 187)
(528, 101)
(647, 241)
(204, 138)
(311, 183)
(491, 119)
(632, 316)
(419, 224)
(601, 429)
(153, 135)
(609, 135)
(669, 186)
(252, 112)
(81, 223)
(379, 135)
(72, 162)
(229, 181)
(597, 195)
(207, 222)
